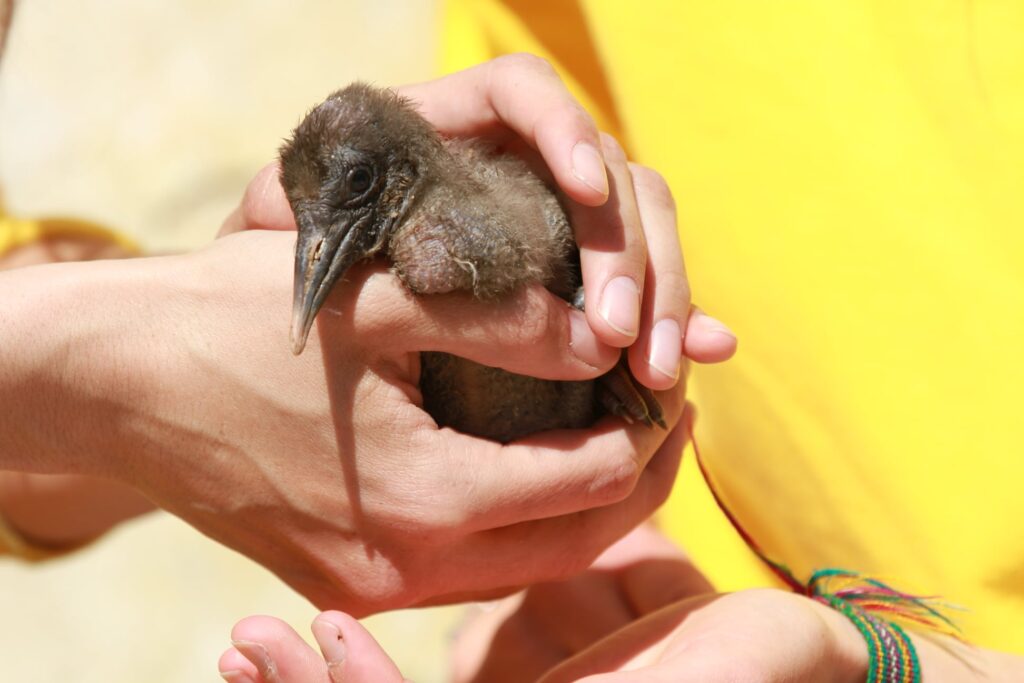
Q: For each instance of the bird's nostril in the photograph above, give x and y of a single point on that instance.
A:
(318, 249)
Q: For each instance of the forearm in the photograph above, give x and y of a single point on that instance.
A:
(948, 661)
(59, 332)
(62, 330)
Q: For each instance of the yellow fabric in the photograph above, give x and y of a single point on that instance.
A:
(19, 232)
(850, 182)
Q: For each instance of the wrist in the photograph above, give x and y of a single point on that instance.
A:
(847, 650)
(67, 377)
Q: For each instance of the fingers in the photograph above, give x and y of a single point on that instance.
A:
(557, 473)
(631, 654)
(651, 571)
(235, 668)
(708, 340)
(521, 95)
(656, 357)
(264, 205)
(352, 654)
(267, 650)
(589, 532)
(629, 299)
(650, 585)
(276, 653)
(557, 548)
(530, 332)
(575, 613)
(613, 254)
(501, 643)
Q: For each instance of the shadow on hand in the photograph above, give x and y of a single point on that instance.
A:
(555, 621)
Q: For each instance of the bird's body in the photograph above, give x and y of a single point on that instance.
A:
(491, 227)
(365, 174)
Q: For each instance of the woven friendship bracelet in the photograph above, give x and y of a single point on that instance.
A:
(891, 654)
(872, 606)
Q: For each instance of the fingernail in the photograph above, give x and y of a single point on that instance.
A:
(588, 167)
(328, 637)
(620, 305)
(583, 343)
(236, 676)
(715, 326)
(258, 655)
(666, 348)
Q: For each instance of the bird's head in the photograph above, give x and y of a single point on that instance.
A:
(351, 170)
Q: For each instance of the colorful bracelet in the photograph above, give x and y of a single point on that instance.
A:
(872, 606)
(891, 653)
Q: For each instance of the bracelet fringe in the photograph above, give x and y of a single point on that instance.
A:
(875, 608)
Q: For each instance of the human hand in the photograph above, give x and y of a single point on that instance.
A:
(635, 283)
(323, 468)
(182, 387)
(756, 635)
(525, 635)
(623, 213)
(640, 215)
(518, 640)
(759, 635)
(267, 650)
(639, 193)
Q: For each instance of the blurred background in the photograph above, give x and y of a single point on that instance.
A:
(151, 117)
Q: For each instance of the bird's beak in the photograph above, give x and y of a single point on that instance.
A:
(321, 259)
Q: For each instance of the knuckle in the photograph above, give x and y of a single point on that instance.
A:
(435, 510)
(381, 306)
(617, 482)
(675, 289)
(613, 151)
(652, 187)
(258, 201)
(539, 321)
(419, 526)
(438, 526)
(432, 520)
(576, 118)
(525, 61)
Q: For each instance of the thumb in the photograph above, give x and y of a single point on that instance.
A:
(530, 332)
(352, 654)
(264, 205)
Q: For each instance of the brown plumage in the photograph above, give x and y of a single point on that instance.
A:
(366, 175)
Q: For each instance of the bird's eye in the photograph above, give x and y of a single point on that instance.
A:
(359, 180)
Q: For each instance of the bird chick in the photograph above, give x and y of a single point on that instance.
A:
(366, 175)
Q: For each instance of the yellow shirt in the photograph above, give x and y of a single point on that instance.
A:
(850, 182)
(18, 232)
